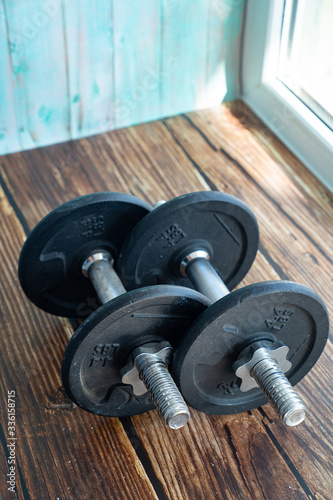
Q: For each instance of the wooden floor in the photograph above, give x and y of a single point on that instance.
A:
(63, 452)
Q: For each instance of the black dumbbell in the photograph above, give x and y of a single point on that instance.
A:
(242, 345)
(124, 345)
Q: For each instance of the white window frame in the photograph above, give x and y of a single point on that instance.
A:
(291, 120)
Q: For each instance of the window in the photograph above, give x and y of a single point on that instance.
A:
(287, 75)
(306, 54)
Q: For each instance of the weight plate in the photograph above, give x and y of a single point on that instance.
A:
(281, 310)
(213, 221)
(101, 345)
(51, 258)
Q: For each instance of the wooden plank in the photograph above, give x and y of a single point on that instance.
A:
(9, 140)
(39, 72)
(222, 456)
(62, 451)
(184, 45)
(224, 51)
(138, 76)
(294, 263)
(90, 51)
(245, 461)
(217, 457)
(75, 69)
(252, 454)
(141, 163)
(320, 199)
(298, 257)
(283, 178)
(101, 164)
(309, 449)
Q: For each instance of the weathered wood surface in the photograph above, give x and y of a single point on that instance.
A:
(65, 453)
(73, 68)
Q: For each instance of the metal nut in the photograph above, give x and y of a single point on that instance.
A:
(155, 352)
(244, 365)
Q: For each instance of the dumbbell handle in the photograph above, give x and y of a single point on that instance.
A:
(205, 279)
(99, 268)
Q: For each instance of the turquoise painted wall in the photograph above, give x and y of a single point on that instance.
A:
(72, 68)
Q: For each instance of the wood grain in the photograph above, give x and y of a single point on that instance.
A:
(138, 74)
(286, 181)
(282, 236)
(89, 56)
(64, 452)
(9, 134)
(38, 64)
(73, 68)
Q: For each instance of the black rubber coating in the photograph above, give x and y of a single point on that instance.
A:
(216, 222)
(100, 347)
(281, 310)
(51, 258)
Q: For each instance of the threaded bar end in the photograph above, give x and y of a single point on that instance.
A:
(279, 391)
(164, 392)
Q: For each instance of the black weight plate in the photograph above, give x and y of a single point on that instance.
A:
(101, 345)
(214, 221)
(50, 261)
(279, 310)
